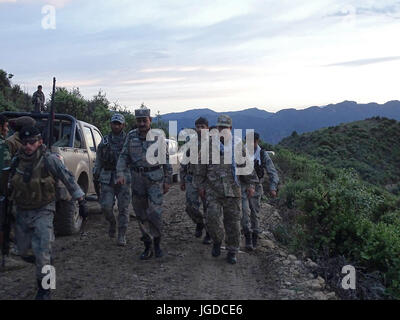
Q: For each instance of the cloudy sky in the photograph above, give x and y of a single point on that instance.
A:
(176, 55)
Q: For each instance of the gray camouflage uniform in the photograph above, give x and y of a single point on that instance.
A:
(104, 171)
(147, 186)
(251, 207)
(34, 225)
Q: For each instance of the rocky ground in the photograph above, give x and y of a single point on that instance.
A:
(93, 267)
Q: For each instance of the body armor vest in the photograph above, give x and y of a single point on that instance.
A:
(112, 150)
(33, 186)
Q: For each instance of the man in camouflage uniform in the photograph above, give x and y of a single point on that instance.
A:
(223, 194)
(14, 142)
(38, 100)
(104, 172)
(192, 193)
(33, 178)
(5, 161)
(251, 206)
(150, 182)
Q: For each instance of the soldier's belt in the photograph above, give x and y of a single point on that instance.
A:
(145, 169)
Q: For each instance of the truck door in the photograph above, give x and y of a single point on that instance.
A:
(91, 146)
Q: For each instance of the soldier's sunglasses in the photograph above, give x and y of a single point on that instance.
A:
(29, 141)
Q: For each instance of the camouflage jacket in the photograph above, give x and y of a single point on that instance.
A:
(38, 98)
(14, 143)
(107, 156)
(133, 155)
(219, 178)
(5, 155)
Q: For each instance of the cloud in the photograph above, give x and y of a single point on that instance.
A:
(56, 3)
(363, 62)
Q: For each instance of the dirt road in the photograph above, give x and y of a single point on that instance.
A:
(93, 267)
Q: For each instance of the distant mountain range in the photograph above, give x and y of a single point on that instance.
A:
(273, 127)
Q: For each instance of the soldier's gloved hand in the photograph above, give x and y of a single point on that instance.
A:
(83, 210)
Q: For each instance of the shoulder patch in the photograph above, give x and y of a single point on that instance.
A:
(105, 139)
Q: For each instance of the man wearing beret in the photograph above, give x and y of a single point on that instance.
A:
(33, 178)
(104, 172)
(149, 183)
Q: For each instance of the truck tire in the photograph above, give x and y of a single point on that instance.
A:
(66, 219)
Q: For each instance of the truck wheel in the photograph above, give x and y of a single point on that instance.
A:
(67, 220)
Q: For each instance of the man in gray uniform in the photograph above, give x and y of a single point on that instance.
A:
(33, 178)
(150, 182)
(104, 172)
(251, 206)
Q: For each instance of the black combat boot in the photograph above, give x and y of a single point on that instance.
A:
(231, 258)
(207, 239)
(148, 252)
(42, 294)
(254, 238)
(199, 230)
(249, 245)
(157, 250)
(216, 250)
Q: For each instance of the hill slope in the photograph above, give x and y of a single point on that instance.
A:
(371, 146)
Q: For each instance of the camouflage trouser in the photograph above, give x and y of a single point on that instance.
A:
(230, 209)
(193, 202)
(251, 210)
(147, 198)
(34, 228)
(107, 196)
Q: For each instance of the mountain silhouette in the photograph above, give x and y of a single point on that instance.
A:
(273, 127)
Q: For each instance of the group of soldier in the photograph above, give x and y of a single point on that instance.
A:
(121, 162)
(123, 174)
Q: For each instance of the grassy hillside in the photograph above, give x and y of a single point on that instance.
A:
(336, 218)
(371, 147)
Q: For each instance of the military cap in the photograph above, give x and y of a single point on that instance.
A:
(29, 132)
(142, 113)
(118, 118)
(17, 123)
(224, 121)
